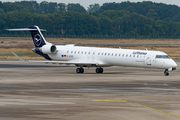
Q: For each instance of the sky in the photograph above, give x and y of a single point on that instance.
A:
(86, 3)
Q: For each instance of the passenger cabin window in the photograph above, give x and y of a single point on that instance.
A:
(71, 51)
(123, 55)
(105, 54)
(133, 55)
(116, 54)
(163, 56)
(119, 54)
(112, 54)
(85, 52)
(130, 55)
(82, 52)
(67, 51)
(126, 55)
(98, 53)
(78, 52)
(108, 54)
(102, 54)
(74, 52)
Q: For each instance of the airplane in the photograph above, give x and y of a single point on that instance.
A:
(97, 57)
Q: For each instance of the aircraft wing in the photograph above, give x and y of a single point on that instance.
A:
(83, 62)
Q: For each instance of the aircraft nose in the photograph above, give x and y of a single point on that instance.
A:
(174, 64)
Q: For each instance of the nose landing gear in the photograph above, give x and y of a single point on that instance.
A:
(166, 73)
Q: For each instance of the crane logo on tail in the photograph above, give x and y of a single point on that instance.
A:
(37, 40)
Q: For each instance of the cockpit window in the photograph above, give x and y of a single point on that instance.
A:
(158, 56)
(163, 56)
(166, 57)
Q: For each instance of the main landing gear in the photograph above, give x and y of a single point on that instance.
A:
(81, 70)
(166, 73)
(99, 70)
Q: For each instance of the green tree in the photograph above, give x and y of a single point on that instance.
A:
(61, 7)
(106, 25)
(93, 8)
(176, 18)
(8, 6)
(19, 18)
(115, 14)
(3, 19)
(32, 6)
(152, 14)
(76, 8)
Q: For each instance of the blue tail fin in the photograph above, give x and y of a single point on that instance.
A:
(36, 34)
(37, 37)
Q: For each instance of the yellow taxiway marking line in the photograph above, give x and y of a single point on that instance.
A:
(123, 100)
(152, 108)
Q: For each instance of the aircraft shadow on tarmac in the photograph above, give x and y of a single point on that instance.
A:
(106, 72)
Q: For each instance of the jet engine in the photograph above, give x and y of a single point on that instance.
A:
(48, 49)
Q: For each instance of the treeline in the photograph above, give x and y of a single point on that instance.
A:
(157, 11)
(110, 19)
(41, 8)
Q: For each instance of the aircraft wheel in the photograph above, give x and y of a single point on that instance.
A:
(99, 70)
(80, 70)
(166, 73)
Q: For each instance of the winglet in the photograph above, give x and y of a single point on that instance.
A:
(18, 57)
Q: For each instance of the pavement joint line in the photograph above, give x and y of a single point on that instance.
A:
(37, 101)
(151, 108)
(109, 101)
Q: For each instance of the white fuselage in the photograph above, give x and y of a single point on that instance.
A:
(113, 57)
(96, 57)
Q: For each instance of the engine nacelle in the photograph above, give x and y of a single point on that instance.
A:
(48, 49)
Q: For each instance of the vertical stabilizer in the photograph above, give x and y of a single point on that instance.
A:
(38, 39)
(36, 34)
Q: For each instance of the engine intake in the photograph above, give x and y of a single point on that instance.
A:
(48, 49)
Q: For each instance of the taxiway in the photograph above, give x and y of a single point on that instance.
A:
(40, 91)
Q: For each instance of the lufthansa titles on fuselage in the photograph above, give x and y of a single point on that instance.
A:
(140, 53)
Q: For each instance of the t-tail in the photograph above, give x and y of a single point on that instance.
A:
(42, 47)
(37, 36)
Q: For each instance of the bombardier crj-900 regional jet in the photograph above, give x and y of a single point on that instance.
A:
(95, 56)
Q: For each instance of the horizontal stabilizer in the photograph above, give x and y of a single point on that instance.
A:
(18, 57)
(25, 29)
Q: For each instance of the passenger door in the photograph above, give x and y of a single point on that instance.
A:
(148, 60)
(89, 56)
(93, 56)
